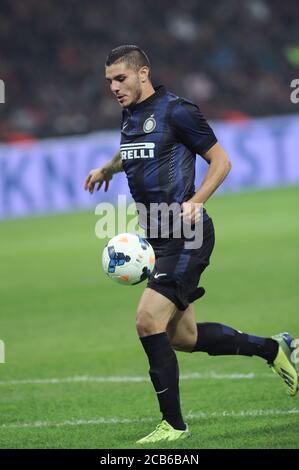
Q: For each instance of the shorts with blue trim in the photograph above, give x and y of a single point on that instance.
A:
(178, 270)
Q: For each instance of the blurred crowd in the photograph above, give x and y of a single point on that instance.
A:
(235, 59)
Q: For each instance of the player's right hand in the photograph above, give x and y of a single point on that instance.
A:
(98, 176)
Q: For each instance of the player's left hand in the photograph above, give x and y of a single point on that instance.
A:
(191, 211)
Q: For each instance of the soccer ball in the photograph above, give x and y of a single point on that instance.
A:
(128, 259)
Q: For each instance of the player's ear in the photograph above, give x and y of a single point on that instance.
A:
(143, 73)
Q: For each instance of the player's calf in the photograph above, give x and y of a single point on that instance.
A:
(220, 340)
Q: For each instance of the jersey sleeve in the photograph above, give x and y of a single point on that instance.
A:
(192, 128)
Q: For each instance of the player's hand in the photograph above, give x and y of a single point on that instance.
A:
(191, 211)
(97, 177)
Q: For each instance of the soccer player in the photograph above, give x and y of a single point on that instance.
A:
(161, 134)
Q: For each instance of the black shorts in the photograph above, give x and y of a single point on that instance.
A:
(177, 270)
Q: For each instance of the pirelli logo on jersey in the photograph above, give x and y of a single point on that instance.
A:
(138, 150)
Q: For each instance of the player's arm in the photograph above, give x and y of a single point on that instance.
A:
(103, 174)
(219, 167)
(194, 131)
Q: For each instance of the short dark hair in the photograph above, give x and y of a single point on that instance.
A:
(133, 55)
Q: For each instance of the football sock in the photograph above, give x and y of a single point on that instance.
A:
(164, 374)
(217, 339)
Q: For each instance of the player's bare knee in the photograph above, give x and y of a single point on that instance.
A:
(145, 323)
(185, 344)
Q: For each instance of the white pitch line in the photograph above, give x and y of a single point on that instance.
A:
(190, 416)
(132, 379)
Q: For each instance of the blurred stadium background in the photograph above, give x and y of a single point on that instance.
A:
(75, 374)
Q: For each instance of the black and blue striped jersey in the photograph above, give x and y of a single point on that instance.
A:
(160, 138)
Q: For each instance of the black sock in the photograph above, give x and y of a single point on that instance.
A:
(217, 339)
(164, 373)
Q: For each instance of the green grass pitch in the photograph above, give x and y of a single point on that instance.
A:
(75, 374)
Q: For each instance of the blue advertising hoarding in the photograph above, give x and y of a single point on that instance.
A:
(48, 175)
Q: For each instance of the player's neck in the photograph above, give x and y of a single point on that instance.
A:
(146, 93)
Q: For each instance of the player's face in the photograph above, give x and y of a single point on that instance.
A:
(125, 83)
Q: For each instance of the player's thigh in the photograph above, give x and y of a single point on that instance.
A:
(154, 312)
(182, 329)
